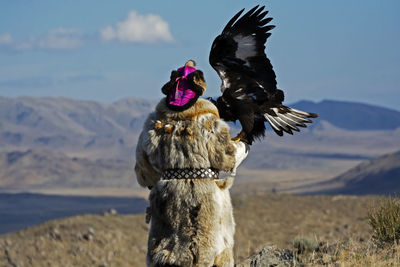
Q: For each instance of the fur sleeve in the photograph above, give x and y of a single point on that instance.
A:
(145, 173)
(220, 148)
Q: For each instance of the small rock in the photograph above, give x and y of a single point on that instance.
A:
(79, 235)
(55, 233)
(76, 250)
(113, 211)
(270, 256)
(91, 230)
(88, 237)
(326, 259)
(110, 212)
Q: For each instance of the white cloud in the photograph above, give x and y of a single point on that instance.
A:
(24, 46)
(108, 33)
(137, 28)
(56, 39)
(61, 39)
(5, 39)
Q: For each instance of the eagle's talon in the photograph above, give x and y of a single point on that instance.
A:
(240, 137)
(236, 139)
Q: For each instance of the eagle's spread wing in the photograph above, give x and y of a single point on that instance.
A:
(249, 88)
(238, 56)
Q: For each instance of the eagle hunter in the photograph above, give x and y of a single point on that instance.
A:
(249, 89)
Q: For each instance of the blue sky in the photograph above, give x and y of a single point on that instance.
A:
(105, 50)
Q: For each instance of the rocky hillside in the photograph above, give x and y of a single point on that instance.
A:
(121, 240)
(86, 128)
(101, 130)
(376, 176)
(35, 169)
(97, 142)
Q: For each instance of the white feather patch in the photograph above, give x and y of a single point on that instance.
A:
(298, 116)
(275, 121)
(283, 123)
(300, 112)
(225, 82)
(282, 117)
(246, 46)
(272, 123)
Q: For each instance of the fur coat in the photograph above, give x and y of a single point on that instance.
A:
(191, 219)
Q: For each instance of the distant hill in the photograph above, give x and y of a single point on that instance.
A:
(86, 128)
(110, 130)
(352, 115)
(65, 143)
(33, 169)
(376, 176)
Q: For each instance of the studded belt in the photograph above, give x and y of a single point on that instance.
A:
(190, 174)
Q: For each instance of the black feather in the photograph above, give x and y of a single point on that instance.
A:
(232, 20)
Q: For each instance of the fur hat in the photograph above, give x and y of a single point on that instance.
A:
(185, 86)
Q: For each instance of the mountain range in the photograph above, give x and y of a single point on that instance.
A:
(36, 169)
(72, 126)
(110, 130)
(59, 142)
(353, 116)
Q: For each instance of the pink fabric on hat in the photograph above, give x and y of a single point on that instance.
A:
(182, 93)
(186, 70)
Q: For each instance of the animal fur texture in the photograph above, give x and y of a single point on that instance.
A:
(191, 219)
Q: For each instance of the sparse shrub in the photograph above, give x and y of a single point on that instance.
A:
(305, 245)
(385, 221)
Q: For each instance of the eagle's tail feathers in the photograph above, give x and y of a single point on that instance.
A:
(291, 123)
(275, 126)
(284, 125)
(298, 119)
(307, 114)
(285, 119)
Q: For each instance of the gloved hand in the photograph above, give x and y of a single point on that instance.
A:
(242, 150)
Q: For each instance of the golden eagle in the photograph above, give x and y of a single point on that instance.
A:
(249, 88)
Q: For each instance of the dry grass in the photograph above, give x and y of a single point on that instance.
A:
(279, 219)
(351, 253)
(337, 227)
(90, 240)
(384, 219)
